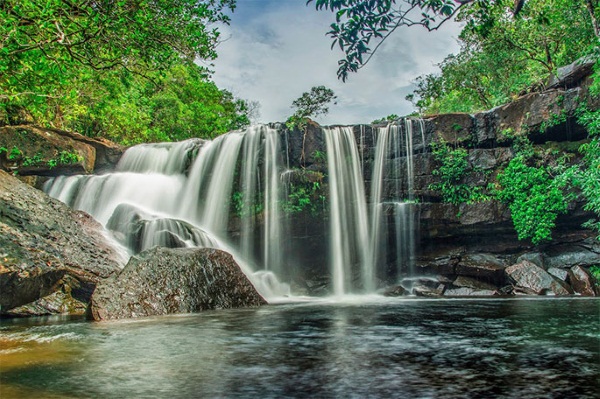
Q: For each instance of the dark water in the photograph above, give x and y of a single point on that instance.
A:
(355, 349)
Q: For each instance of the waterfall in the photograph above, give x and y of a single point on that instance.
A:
(396, 204)
(365, 233)
(185, 194)
(348, 214)
(231, 193)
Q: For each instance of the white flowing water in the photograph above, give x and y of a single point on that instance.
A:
(394, 167)
(348, 211)
(361, 237)
(180, 194)
(189, 193)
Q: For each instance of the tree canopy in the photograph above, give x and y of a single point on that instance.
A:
(502, 56)
(361, 26)
(70, 63)
(311, 104)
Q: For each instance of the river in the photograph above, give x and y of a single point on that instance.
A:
(358, 347)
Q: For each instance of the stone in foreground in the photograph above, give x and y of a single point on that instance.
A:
(164, 281)
(51, 257)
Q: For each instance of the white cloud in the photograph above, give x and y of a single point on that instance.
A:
(275, 51)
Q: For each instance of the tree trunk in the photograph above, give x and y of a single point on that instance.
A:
(591, 9)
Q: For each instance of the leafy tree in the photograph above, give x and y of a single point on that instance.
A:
(501, 56)
(123, 69)
(452, 171)
(311, 104)
(389, 118)
(130, 109)
(360, 23)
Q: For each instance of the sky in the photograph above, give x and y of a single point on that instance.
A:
(275, 50)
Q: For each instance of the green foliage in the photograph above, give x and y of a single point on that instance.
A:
(535, 199)
(319, 156)
(64, 158)
(305, 193)
(243, 209)
(586, 176)
(503, 56)
(14, 154)
(555, 120)
(454, 167)
(359, 23)
(389, 118)
(310, 105)
(109, 69)
(35, 160)
(595, 272)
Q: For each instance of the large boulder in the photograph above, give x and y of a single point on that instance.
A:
(530, 279)
(51, 257)
(165, 281)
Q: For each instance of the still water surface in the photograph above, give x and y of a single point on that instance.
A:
(355, 348)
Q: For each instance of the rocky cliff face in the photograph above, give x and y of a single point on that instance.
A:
(474, 241)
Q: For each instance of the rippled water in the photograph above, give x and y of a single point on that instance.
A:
(358, 348)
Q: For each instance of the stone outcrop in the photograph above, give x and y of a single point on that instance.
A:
(165, 281)
(34, 151)
(51, 257)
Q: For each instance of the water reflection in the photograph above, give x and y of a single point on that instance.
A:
(381, 348)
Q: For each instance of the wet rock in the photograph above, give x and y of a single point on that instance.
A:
(484, 159)
(165, 281)
(452, 128)
(466, 291)
(484, 267)
(49, 251)
(560, 274)
(427, 291)
(581, 281)
(566, 256)
(438, 266)
(427, 287)
(534, 257)
(467, 282)
(533, 280)
(394, 291)
(139, 230)
(572, 74)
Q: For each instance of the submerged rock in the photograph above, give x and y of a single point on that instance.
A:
(533, 280)
(396, 290)
(51, 257)
(164, 281)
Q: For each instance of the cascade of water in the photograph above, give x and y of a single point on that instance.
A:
(248, 190)
(272, 234)
(348, 214)
(186, 194)
(179, 194)
(394, 161)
